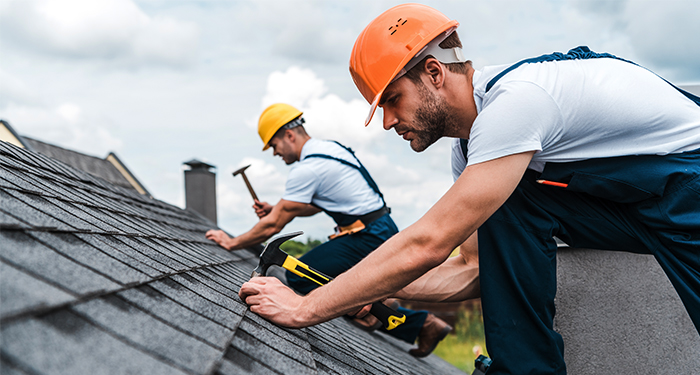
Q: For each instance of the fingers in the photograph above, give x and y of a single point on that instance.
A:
(259, 208)
(363, 311)
(248, 289)
(215, 235)
(254, 287)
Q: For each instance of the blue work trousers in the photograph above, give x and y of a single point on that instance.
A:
(340, 254)
(643, 204)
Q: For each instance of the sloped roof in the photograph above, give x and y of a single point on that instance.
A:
(98, 279)
(104, 168)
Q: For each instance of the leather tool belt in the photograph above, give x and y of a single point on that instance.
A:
(360, 223)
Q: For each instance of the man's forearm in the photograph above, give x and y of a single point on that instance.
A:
(452, 281)
(455, 280)
(381, 274)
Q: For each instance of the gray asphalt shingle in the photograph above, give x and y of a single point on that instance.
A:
(20, 292)
(73, 247)
(142, 330)
(23, 251)
(64, 343)
(98, 279)
(178, 315)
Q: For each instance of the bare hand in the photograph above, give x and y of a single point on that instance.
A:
(262, 209)
(274, 301)
(219, 237)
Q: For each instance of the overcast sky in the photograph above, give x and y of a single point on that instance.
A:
(161, 82)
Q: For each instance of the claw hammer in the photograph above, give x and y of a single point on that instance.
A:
(241, 171)
(273, 255)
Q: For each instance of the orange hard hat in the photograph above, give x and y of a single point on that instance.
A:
(389, 43)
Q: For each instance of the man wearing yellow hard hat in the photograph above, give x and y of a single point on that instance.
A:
(327, 176)
(584, 146)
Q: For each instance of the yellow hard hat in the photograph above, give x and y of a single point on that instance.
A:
(273, 118)
(385, 47)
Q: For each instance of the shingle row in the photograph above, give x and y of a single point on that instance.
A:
(97, 279)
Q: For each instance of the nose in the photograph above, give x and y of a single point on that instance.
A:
(389, 118)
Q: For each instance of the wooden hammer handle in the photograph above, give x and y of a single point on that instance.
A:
(250, 187)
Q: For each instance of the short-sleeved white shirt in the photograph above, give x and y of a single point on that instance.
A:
(330, 184)
(578, 109)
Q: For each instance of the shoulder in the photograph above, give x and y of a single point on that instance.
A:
(332, 149)
(303, 170)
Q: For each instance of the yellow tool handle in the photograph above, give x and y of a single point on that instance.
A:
(295, 266)
(389, 317)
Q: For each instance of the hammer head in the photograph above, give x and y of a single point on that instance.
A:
(240, 170)
(272, 254)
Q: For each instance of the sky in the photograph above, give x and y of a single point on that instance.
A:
(160, 82)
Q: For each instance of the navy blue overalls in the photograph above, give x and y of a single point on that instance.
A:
(644, 204)
(341, 253)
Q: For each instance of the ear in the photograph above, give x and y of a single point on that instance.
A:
(290, 135)
(435, 72)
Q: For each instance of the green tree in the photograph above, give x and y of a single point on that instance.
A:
(297, 248)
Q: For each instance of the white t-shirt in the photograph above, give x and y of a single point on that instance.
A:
(330, 184)
(576, 110)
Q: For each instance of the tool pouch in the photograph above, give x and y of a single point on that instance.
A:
(350, 229)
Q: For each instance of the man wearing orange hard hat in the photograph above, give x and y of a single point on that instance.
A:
(327, 176)
(584, 146)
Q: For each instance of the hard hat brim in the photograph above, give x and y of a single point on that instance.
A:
(450, 25)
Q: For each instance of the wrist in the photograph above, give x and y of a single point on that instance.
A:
(231, 244)
(310, 311)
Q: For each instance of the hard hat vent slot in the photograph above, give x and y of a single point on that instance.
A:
(399, 22)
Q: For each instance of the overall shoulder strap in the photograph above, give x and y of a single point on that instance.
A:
(463, 145)
(578, 53)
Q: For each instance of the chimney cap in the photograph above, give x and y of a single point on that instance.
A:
(198, 164)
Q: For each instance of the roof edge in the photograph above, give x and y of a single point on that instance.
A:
(121, 167)
(8, 134)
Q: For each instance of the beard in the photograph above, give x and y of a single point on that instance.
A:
(431, 120)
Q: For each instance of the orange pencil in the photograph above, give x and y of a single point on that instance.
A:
(552, 183)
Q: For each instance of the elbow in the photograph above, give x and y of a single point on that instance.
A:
(272, 229)
(430, 251)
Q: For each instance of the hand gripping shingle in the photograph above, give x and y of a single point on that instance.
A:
(273, 255)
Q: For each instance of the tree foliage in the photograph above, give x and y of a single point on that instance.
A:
(297, 248)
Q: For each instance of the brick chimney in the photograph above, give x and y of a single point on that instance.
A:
(200, 188)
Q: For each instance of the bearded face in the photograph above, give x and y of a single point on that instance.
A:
(431, 120)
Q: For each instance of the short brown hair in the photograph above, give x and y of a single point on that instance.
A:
(299, 129)
(451, 41)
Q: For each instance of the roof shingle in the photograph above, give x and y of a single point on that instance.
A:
(98, 279)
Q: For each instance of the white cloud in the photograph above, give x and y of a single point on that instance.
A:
(14, 90)
(64, 125)
(116, 30)
(665, 34)
(327, 115)
(296, 87)
(299, 30)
